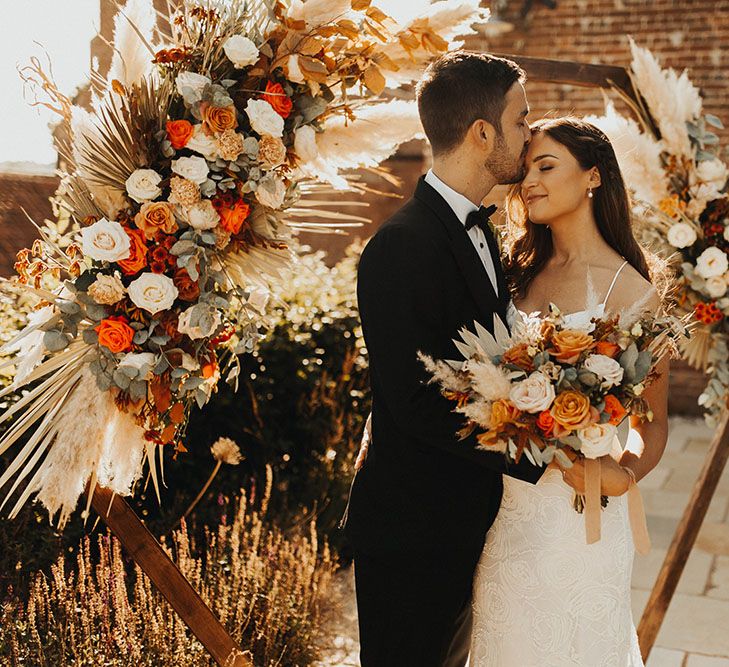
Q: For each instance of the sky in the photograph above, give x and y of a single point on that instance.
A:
(64, 29)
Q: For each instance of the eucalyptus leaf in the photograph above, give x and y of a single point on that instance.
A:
(122, 380)
(562, 459)
(138, 390)
(90, 337)
(714, 121)
(162, 366)
(140, 338)
(55, 341)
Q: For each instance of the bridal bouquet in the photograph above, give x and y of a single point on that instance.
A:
(555, 387)
(198, 159)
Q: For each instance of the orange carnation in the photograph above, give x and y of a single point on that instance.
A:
(615, 409)
(115, 333)
(187, 288)
(233, 217)
(607, 348)
(569, 344)
(545, 423)
(278, 99)
(571, 410)
(155, 217)
(179, 133)
(137, 259)
(218, 119)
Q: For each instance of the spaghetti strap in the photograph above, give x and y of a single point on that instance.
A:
(612, 284)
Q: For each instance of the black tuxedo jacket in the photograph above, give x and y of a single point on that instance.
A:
(421, 490)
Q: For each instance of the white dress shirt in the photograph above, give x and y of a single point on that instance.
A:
(462, 206)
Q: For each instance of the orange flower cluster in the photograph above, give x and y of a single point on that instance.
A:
(708, 313)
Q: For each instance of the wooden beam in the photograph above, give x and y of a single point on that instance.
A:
(166, 576)
(684, 538)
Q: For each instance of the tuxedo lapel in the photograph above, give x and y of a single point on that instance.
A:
(469, 263)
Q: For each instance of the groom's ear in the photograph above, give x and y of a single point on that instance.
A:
(483, 134)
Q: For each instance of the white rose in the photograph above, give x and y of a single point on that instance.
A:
(152, 292)
(714, 172)
(105, 241)
(194, 83)
(534, 394)
(305, 143)
(716, 286)
(597, 440)
(241, 51)
(201, 215)
(681, 235)
(198, 322)
(607, 369)
(143, 185)
(271, 192)
(202, 143)
(712, 262)
(264, 118)
(137, 360)
(194, 169)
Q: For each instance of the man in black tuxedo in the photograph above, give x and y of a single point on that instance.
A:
(423, 501)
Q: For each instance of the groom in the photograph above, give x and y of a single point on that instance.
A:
(423, 501)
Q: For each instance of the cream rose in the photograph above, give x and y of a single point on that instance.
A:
(143, 185)
(681, 235)
(596, 440)
(137, 361)
(305, 143)
(271, 192)
(152, 292)
(193, 82)
(712, 262)
(264, 118)
(202, 215)
(202, 143)
(194, 169)
(714, 172)
(105, 241)
(200, 324)
(716, 286)
(241, 51)
(607, 369)
(534, 394)
(107, 290)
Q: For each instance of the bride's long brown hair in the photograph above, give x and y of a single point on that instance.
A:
(531, 250)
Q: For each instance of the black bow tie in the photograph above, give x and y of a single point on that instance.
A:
(481, 218)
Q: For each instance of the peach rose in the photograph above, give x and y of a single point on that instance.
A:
(615, 409)
(155, 217)
(115, 334)
(233, 217)
(187, 288)
(519, 356)
(503, 412)
(217, 119)
(569, 344)
(137, 259)
(179, 132)
(607, 348)
(278, 99)
(571, 410)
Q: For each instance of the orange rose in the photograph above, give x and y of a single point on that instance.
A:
(278, 99)
(571, 410)
(187, 288)
(545, 423)
(232, 218)
(503, 412)
(217, 119)
(115, 333)
(137, 259)
(179, 133)
(607, 348)
(569, 344)
(615, 409)
(155, 217)
(519, 356)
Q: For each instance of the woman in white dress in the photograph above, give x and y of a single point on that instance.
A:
(542, 596)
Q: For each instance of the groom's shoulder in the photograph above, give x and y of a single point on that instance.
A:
(411, 222)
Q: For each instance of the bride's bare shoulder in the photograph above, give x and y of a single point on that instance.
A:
(631, 287)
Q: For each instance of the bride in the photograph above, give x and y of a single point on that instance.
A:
(542, 596)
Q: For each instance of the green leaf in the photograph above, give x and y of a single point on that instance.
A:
(714, 121)
(55, 341)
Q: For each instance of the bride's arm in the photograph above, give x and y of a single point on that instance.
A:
(647, 440)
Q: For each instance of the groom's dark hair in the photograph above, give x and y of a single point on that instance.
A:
(460, 88)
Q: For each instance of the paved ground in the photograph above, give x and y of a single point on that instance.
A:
(695, 632)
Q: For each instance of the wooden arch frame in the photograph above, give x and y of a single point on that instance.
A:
(619, 79)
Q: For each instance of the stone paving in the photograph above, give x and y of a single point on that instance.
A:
(695, 632)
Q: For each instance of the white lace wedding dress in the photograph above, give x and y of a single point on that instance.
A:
(542, 596)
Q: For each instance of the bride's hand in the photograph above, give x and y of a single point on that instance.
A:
(615, 481)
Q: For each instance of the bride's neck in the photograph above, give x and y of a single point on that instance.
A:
(577, 240)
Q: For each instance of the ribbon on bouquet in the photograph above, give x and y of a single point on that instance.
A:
(636, 511)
